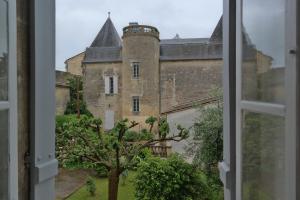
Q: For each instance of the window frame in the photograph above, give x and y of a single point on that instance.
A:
(227, 167)
(10, 105)
(135, 70)
(288, 110)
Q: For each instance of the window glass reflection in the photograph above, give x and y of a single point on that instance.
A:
(263, 157)
(263, 50)
(3, 51)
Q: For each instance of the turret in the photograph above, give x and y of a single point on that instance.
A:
(140, 72)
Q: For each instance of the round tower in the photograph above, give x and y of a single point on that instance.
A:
(140, 73)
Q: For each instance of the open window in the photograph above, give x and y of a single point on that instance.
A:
(261, 88)
(8, 104)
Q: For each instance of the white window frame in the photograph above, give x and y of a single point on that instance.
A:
(136, 104)
(11, 104)
(288, 110)
(135, 70)
(111, 85)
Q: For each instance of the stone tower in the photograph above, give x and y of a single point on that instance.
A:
(140, 73)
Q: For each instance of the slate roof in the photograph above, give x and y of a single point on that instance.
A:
(108, 36)
(184, 41)
(190, 51)
(217, 35)
(103, 54)
(107, 46)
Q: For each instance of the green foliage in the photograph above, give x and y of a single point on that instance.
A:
(133, 136)
(164, 128)
(169, 179)
(207, 144)
(91, 186)
(208, 137)
(76, 89)
(126, 192)
(81, 143)
(68, 127)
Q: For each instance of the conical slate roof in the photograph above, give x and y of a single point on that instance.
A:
(108, 36)
(217, 35)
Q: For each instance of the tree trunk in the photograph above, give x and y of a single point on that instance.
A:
(113, 184)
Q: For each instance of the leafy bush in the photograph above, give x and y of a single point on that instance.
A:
(169, 179)
(91, 186)
(133, 136)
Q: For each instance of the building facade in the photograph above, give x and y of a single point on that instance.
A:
(141, 75)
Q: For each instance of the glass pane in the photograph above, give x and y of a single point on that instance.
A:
(263, 50)
(3, 155)
(3, 51)
(263, 147)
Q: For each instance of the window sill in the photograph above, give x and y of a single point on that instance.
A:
(110, 95)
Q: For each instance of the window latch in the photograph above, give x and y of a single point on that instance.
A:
(293, 51)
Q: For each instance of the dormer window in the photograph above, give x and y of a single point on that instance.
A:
(136, 70)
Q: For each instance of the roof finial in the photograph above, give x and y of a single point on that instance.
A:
(108, 14)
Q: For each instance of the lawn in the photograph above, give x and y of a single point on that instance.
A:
(126, 192)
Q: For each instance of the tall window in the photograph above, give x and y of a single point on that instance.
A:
(136, 70)
(136, 104)
(111, 85)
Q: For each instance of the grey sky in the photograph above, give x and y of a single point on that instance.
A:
(78, 21)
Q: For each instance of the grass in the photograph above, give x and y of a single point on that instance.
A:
(126, 192)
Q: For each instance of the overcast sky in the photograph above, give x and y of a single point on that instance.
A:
(79, 21)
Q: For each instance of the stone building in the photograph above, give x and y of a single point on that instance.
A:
(142, 75)
(62, 91)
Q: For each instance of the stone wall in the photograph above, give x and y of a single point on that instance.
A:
(62, 97)
(62, 91)
(73, 64)
(94, 89)
(186, 81)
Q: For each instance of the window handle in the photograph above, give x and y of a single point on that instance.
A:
(293, 51)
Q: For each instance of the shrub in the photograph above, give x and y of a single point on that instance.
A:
(91, 186)
(169, 179)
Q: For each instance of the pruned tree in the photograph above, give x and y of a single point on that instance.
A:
(88, 143)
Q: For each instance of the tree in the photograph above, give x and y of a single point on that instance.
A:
(76, 105)
(207, 143)
(169, 179)
(86, 142)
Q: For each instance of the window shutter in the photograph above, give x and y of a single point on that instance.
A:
(106, 84)
(42, 100)
(116, 84)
